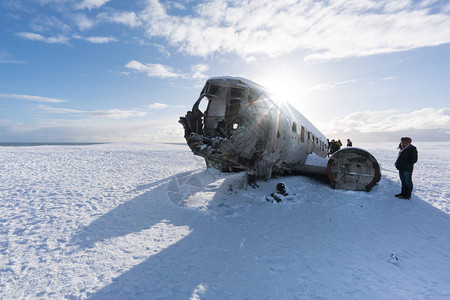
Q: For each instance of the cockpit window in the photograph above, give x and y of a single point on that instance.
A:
(212, 89)
(223, 91)
(217, 90)
(237, 93)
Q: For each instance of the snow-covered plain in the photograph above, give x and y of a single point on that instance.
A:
(148, 221)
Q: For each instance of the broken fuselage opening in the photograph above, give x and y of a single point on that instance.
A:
(219, 107)
(214, 120)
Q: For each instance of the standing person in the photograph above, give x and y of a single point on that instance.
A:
(329, 147)
(333, 147)
(407, 157)
(349, 143)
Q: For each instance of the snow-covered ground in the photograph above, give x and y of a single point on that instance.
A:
(148, 221)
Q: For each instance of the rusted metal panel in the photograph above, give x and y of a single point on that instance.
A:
(353, 169)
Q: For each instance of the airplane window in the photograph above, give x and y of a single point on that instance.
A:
(302, 134)
(294, 127)
(237, 93)
(203, 105)
(217, 90)
(213, 89)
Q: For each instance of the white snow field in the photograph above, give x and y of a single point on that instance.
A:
(148, 221)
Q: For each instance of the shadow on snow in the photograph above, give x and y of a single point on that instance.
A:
(330, 244)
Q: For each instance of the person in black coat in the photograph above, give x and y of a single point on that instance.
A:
(333, 147)
(407, 157)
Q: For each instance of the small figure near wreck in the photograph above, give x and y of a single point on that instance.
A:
(407, 157)
(334, 146)
(245, 128)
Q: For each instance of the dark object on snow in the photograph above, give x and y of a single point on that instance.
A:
(394, 257)
(276, 198)
(281, 188)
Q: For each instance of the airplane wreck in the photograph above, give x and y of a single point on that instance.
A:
(237, 125)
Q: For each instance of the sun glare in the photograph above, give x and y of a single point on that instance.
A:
(288, 87)
(284, 88)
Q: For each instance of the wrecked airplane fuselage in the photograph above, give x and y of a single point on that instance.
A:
(237, 125)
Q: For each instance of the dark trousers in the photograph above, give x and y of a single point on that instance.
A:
(407, 184)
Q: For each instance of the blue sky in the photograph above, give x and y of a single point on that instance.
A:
(99, 70)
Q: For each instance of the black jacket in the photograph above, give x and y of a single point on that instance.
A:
(407, 158)
(334, 147)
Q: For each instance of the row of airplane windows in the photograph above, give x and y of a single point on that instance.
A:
(311, 136)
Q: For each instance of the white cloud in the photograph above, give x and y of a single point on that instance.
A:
(32, 98)
(330, 85)
(154, 70)
(199, 70)
(64, 39)
(175, 5)
(109, 114)
(100, 39)
(161, 49)
(91, 4)
(38, 37)
(43, 23)
(434, 122)
(126, 18)
(114, 113)
(96, 39)
(83, 22)
(162, 71)
(326, 30)
(157, 106)
(6, 58)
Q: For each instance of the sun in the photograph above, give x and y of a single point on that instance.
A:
(284, 87)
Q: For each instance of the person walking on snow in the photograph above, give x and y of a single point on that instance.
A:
(407, 157)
